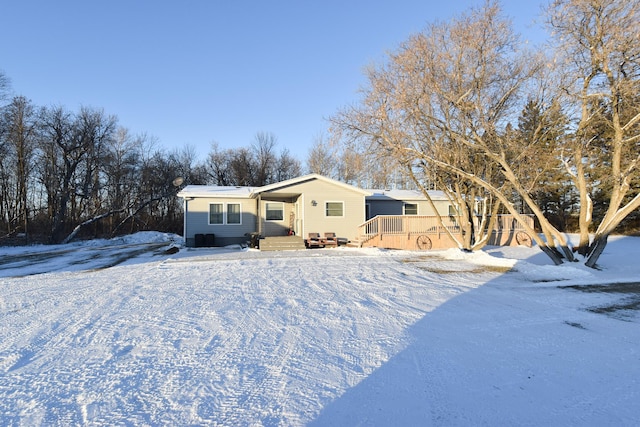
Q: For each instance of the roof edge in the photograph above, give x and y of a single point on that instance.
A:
(305, 178)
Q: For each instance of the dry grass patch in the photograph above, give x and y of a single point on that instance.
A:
(438, 265)
(625, 308)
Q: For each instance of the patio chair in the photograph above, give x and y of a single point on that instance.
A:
(330, 239)
(314, 241)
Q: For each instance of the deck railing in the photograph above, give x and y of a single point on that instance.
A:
(428, 224)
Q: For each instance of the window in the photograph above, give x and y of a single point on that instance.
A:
(275, 211)
(216, 215)
(410, 209)
(452, 211)
(334, 209)
(233, 213)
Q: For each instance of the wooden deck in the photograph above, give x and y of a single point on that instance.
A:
(421, 232)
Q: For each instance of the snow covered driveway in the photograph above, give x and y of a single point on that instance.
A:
(326, 337)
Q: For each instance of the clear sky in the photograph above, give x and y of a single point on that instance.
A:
(195, 71)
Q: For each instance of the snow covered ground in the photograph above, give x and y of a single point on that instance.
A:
(121, 333)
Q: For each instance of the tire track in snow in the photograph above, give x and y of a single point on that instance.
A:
(263, 373)
(174, 344)
(62, 338)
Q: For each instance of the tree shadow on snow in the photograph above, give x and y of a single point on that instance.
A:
(502, 354)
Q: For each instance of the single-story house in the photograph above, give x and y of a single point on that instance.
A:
(309, 203)
(402, 219)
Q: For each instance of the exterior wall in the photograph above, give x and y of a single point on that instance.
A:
(313, 216)
(395, 207)
(270, 228)
(384, 207)
(197, 221)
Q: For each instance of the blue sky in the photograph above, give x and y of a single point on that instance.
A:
(194, 72)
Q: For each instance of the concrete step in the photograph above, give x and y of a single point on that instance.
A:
(282, 243)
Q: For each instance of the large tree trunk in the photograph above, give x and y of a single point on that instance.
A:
(607, 226)
(586, 205)
(595, 250)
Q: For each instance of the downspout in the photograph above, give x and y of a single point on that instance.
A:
(259, 216)
(185, 208)
(302, 216)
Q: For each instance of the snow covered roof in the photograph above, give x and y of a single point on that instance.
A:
(305, 178)
(216, 191)
(405, 195)
(249, 192)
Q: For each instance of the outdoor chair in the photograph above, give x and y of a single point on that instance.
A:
(314, 241)
(330, 239)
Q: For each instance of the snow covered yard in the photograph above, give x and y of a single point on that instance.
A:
(320, 337)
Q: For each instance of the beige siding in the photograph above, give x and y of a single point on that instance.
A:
(314, 219)
(276, 227)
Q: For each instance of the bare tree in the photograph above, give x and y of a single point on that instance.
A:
(64, 172)
(287, 167)
(349, 160)
(18, 134)
(20, 119)
(72, 146)
(446, 99)
(599, 58)
(120, 166)
(188, 168)
(321, 158)
(242, 167)
(5, 85)
(264, 158)
(442, 104)
(257, 165)
(218, 165)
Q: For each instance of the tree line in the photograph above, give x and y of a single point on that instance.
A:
(67, 174)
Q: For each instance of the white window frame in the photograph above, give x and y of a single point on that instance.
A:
(225, 213)
(266, 211)
(404, 208)
(239, 213)
(326, 209)
(221, 213)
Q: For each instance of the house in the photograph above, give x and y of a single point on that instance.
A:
(401, 219)
(310, 203)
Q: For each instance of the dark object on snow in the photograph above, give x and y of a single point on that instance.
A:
(172, 250)
(254, 240)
